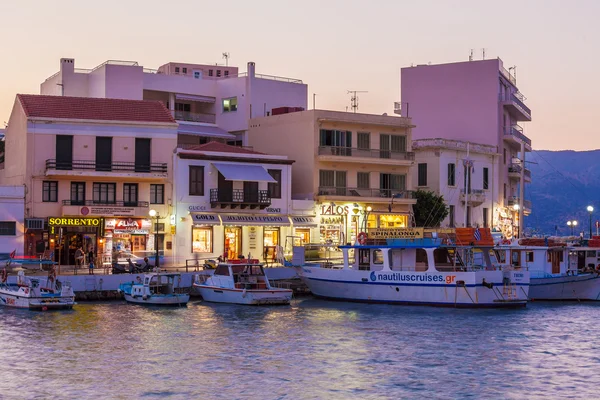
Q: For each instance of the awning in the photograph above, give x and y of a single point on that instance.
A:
(192, 97)
(204, 130)
(301, 220)
(254, 219)
(205, 219)
(244, 172)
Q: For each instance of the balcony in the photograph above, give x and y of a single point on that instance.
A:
(476, 196)
(515, 103)
(194, 117)
(398, 108)
(514, 171)
(515, 200)
(348, 154)
(116, 169)
(105, 208)
(234, 198)
(514, 134)
(373, 195)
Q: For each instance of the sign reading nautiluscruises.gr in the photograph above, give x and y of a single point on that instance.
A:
(396, 233)
(68, 221)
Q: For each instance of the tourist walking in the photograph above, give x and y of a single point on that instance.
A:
(79, 256)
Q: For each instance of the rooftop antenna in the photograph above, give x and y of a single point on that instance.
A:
(226, 57)
(471, 55)
(483, 52)
(354, 99)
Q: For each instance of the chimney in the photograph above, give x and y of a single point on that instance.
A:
(251, 69)
(67, 65)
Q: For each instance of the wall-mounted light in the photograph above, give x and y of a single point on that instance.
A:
(172, 220)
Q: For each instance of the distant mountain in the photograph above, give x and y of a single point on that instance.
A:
(563, 184)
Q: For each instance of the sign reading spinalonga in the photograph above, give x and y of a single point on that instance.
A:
(396, 233)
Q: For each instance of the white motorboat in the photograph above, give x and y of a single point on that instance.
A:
(155, 289)
(35, 293)
(418, 272)
(558, 271)
(241, 283)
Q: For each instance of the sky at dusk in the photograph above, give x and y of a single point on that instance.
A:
(333, 46)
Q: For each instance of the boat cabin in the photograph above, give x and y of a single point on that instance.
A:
(241, 276)
(541, 261)
(157, 284)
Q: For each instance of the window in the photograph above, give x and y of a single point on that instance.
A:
(422, 175)
(468, 175)
(218, 73)
(364, 140)
(333, 179)
(196, 74)
(185, 70)
(176, 70)
(505, 191)
(8, 228)
(451, 220)
(157, 194)
(362, 180)
(275, 187)
(105, 193)
(50, 191)
(391, 184)
(183, 107)
(340, 141)
(529, 256)
(486, 178)
(202, 239)
(389, 144)
(485, 217)
(130, 194)
(210, 72)
(230, 104)
(77, 193)
(226, 73)
(196, 180)
(504, 156)
(451, 174)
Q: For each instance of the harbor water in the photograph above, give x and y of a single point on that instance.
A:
(312, 349)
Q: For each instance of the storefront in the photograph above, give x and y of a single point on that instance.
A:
(303, 227)
(128, 237)
(67, 234)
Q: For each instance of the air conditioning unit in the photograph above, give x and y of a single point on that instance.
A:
(34, 223)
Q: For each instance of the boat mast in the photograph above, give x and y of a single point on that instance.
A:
(467, 179)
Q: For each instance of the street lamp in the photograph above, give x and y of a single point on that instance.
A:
(154, 214)
(572, 224)
(516, 208)
(590, 210)
(368, 210)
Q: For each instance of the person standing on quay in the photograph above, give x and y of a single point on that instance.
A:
(91, 261)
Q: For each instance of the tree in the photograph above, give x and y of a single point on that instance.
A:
(430, 209)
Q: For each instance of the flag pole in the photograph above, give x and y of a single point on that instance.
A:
(467, 179)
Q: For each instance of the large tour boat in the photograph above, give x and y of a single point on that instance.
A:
(35, 293)
(422, 271)
(240, 283)
(558, 270)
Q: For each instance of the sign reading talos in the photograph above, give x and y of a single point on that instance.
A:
(396, 233)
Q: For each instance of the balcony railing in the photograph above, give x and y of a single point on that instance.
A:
(360, 192)
(105, 203)
(515, 200)
(367, 153)
(527, 173)
(194, 117)
(82, 165)
(517, 100)
(476, 196)
(239, 197)
(517, 132)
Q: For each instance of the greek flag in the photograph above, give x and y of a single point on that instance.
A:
(477, 234)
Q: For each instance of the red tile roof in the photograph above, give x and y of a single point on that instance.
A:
(221, 148)
(62, 107)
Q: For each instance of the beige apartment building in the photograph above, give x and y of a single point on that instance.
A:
(356, 167)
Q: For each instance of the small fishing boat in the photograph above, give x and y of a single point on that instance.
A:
(35, 294)
(155, 289)
(240, 283)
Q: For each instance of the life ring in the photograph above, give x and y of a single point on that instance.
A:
(362, 238)
(4, 275)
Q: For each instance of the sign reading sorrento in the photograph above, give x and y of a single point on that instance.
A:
(396, 233)
(67, 221)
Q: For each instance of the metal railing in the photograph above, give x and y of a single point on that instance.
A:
(367, 153)
(515, 200)
(81, 165)
(362, 192)
(106, 203)
(517, 132)
(527, 173)
(517, 98)
(511, 78)
(453, 144)
(241, 196)
(238, 75)
(194, 117)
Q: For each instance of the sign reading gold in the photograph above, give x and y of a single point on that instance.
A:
(396, 233)
(66, 221)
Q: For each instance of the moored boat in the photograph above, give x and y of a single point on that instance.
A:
(35, 293)
(419, 272)
(155, 289)
(240, 283)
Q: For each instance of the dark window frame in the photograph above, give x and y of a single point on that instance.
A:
(422, 174)
(102, 188)
(8, 228)
(75, 200)
(48, 189)
(486, 178)
(275, 188)
(131, 197)
(154, 197)
(196, 180)
(451, 174)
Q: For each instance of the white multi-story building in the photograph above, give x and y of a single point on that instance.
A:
(12, 214)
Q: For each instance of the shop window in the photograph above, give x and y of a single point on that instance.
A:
(202, 239)
(130, 194)
(393, 221)
(50, 191)
(270, 242)
(8, 228)
(302, 236)
(157, 194)
(275, 187)
(105, 193)
(196, 180)
(230, 104)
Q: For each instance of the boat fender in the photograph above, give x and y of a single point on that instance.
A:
(460, 283)
(145, 297)
(244, 293)
(488, 285)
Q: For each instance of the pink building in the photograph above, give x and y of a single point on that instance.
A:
(209, 102)
(476, 102)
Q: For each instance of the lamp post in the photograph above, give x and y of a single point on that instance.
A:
(590, 210)
(365, 222)
(572, 224)
(154, 214)
(516, 208)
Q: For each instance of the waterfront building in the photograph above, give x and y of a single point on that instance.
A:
(477, 102)
(356, 167)
(92, 170)
(12, 213)
(210, 102)
(234, 201)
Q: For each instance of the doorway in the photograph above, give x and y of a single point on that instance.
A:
(139, 242)
(270, 242)
(233, 242)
